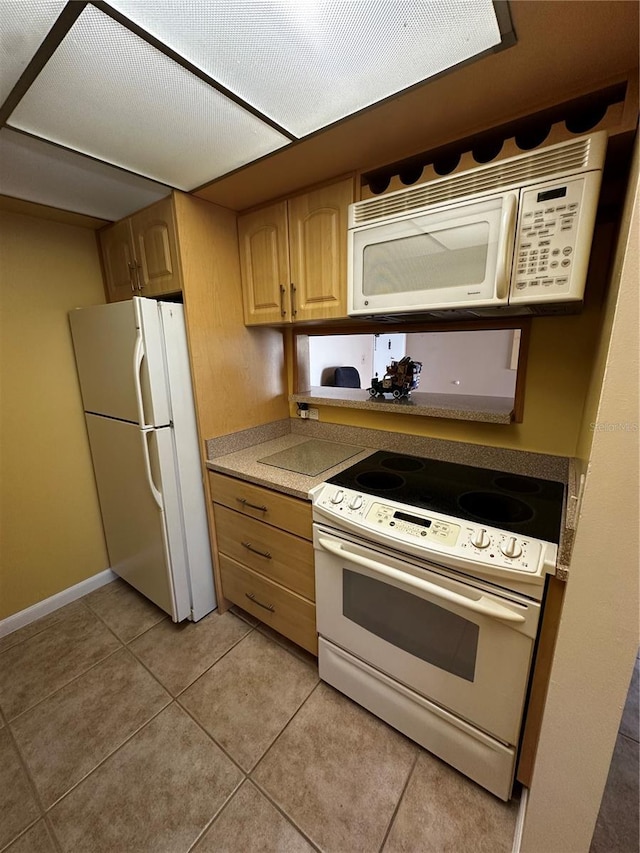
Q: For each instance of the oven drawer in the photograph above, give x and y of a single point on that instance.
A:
(476, 754)
(274, 553)
(284, 611)
(287, 513)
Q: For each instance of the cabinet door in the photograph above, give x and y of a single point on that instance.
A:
(318, 252)
(264, 265)
(154, 237)
(116, 244)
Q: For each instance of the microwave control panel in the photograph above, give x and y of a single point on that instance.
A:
(553, 242)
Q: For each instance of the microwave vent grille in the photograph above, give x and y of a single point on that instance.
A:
(520, 170)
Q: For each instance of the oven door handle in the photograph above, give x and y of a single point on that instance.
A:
(482, 604)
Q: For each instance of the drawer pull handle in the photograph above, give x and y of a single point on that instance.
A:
(252, 597)
(250, 547)
(245, 502)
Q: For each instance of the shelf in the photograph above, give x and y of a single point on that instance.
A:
(494, 410)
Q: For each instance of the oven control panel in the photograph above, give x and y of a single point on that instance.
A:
(448, 540)
(415, 526)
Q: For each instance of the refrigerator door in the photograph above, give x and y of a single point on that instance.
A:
(189, 467)
(120, 359)
(139, 499)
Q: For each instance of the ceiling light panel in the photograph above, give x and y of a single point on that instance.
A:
(109, 94)
(24, 27)
(308, 63)
(37, 171)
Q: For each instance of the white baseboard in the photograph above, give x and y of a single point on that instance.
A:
(55, 602)
(517, 838)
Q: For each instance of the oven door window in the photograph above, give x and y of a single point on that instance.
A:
(421, 628)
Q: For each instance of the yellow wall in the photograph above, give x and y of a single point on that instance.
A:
(50, 529)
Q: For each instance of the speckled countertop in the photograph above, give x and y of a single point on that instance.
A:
(238, 455)
(493, 410)
(245, 464)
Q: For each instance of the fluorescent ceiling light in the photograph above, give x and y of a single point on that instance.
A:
(36, 171)
(107, 93)
(24, 26)
(308, 63)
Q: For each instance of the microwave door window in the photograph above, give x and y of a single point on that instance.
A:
(428, 260)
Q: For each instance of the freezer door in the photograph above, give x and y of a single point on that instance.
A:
(120, 360)
(135, 476)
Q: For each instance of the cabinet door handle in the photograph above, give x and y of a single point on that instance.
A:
(245, 502)
(132, 281)
(283, 310)
(294, 310)
(139, 277)
(250, 547)
(268, 607)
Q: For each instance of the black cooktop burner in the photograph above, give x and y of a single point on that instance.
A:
(525, 505)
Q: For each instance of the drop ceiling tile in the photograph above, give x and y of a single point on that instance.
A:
(37, 171)
(308, 63)
(24, 26)
(109, 94)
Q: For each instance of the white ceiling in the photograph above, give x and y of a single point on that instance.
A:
(179, 93)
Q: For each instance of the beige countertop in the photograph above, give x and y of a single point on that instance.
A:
(245, 464)
(494, 410)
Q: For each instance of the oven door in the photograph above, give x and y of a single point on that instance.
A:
(466, 648)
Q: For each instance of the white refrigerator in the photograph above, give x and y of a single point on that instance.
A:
(133, 367)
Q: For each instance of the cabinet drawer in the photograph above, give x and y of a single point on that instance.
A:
(279, 555)
(284, 611)
(290, 514)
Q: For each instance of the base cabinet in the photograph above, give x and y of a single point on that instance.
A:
(293, 257)
(265, 556)
(140, 254)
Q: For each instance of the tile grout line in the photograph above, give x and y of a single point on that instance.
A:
(31, 782)
(11, 720)
(277, 738)
(47, 809)
(281, 811)
(210, 823)
(197, 678)
(400, 799)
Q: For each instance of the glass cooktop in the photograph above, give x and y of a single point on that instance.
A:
(525, 505)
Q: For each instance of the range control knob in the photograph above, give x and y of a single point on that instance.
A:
(355, 502)
(338, 497)
(511, 548)
(480, 539)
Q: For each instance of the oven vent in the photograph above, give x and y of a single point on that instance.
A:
(578, 155)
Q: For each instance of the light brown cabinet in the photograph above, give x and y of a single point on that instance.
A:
(140, 254)
(265, 556)
(293, 257)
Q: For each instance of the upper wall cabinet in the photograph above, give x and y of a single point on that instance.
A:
(293, 257)
(140, 254)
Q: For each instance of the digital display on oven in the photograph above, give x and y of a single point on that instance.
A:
(413, 519)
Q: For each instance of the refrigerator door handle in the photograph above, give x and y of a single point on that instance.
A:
(157, 496)
(138, 357)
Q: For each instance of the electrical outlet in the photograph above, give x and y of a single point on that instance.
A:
(313, 414)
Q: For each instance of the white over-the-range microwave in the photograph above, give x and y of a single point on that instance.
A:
(510, 237)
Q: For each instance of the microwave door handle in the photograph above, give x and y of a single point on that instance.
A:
(482, 604)
(505, 251)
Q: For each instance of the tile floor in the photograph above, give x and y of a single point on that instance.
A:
(120, 731)
(618, 825)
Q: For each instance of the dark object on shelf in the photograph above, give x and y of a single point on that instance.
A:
(347, 377)
(402, 377)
